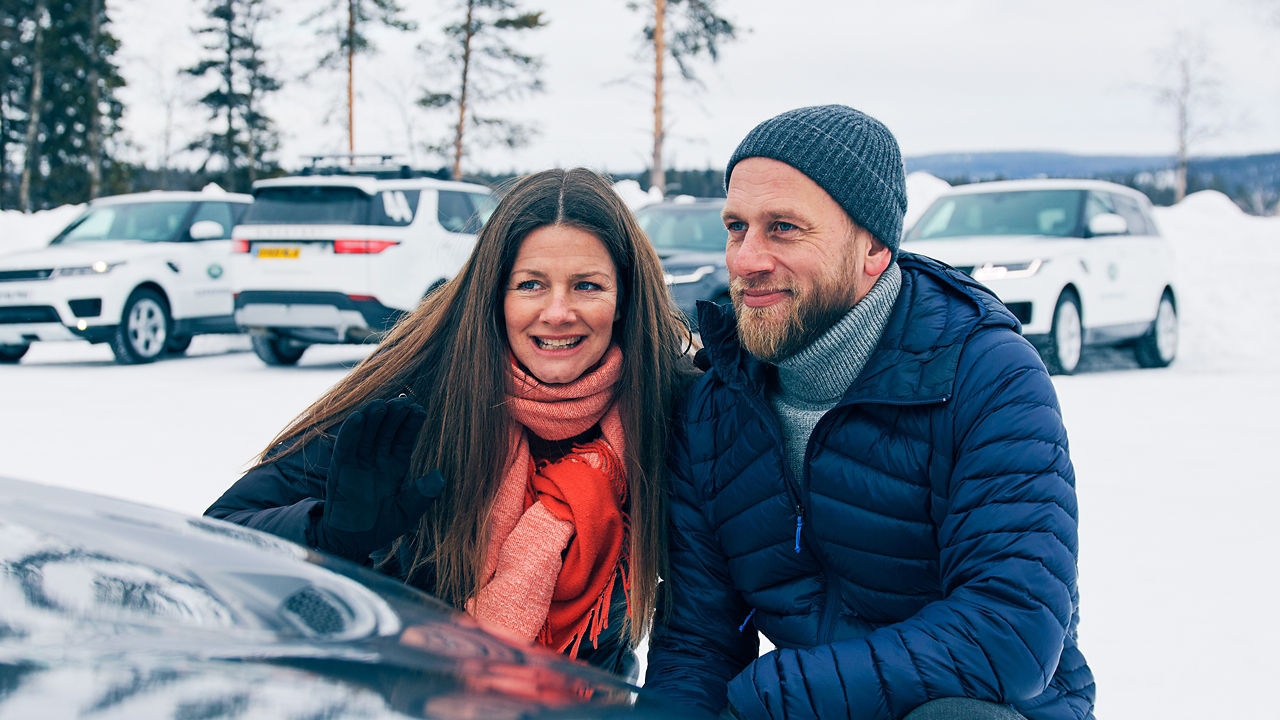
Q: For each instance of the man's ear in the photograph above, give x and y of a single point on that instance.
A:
(878, 257)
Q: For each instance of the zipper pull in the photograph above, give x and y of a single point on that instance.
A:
(799, 525)
(743, 626)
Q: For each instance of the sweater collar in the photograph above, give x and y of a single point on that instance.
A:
(822, 371)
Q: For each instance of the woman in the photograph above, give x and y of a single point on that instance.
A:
(503, 448)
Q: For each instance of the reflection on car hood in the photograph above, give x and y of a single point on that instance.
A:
(74, 254)
(979, 249)
(690, 258)
(107, 605)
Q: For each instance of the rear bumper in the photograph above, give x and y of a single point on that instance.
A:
(314, 316)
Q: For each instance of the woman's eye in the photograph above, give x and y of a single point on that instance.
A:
(587, 285)
(527, 285)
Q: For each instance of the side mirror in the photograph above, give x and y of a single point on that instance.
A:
(1108, 224)
(207, 230)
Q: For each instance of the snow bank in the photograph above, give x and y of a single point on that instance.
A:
(633, 196)
(23, 231)
(922, 190)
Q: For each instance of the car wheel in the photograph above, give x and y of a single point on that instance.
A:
(177, 344)
(143, 330)
(277, 351)
(1061, 352)
(1159, 346)
(13, 353)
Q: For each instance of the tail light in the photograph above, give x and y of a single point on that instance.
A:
(361, 247)
(240, 245)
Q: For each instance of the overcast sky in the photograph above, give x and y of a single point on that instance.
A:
(944, 75)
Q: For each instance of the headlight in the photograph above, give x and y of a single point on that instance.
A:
(1007, 271)
(99, 268)
(692, 276)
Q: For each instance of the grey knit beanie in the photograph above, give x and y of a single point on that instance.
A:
(848, 153)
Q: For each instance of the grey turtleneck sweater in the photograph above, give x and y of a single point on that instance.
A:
(813, 380)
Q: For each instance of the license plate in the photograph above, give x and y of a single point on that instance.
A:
(280, 253)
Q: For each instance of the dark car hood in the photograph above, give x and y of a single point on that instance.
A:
(109, 605)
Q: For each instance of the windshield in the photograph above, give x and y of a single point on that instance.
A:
(689, 227)
(1051, 213)
(310, 205)
(147, 221)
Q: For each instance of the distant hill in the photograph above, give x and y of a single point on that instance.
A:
(1252, 181)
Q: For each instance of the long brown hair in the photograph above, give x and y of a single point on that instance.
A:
(452, 355)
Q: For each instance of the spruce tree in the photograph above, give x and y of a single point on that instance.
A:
(241, 136)
(485, 67)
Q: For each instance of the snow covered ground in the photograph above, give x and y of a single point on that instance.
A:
(1176, 483)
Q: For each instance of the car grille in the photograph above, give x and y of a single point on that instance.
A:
(10, 275)
(19, 314)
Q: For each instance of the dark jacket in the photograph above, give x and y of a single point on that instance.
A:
(283, 496)
(929, 550)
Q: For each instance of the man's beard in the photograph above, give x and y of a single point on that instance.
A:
(772, 334)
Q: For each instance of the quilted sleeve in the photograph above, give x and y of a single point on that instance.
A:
(279, 496)
(698, 643)
(1007, 542)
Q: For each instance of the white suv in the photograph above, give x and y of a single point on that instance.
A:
(1079, 262)
(143, 272)
(338, 258)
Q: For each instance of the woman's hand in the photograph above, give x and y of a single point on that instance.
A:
(369, 498)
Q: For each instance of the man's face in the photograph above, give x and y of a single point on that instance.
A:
(797, 263)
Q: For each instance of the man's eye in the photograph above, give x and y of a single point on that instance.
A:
(783, 226)
(735, 226)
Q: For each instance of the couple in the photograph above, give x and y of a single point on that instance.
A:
(872, 472)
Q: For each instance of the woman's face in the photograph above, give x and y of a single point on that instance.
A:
(561, 303)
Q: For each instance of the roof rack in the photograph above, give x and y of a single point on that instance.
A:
(377, 165)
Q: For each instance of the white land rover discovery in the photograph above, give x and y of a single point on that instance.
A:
(143, 272)
(338, 257)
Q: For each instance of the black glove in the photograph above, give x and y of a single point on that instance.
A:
(369, 499)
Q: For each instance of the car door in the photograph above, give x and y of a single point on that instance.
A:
(1107, 258)
(1149, 259)
(205, 285)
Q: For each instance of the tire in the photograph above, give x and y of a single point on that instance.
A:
(277, 351)
(143, 330)
(177, 344)
(1159, 346)
(13, 353)
(1061, 352)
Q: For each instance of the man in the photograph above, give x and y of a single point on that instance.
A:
(873, 472)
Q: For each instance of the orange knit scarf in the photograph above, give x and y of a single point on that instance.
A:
(558, 533)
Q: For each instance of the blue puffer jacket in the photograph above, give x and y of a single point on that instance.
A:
(929, 551)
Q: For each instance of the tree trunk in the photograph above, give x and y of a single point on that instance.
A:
(351, 80)
(32, 139)
(1184, 129)
(229, 139)
(462, 95)
(93, 142)
(657, 176)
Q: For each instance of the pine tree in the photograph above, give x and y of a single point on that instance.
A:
(345, 26)
(57, 99)
(242, 135)
(486, 67)
(683, 31)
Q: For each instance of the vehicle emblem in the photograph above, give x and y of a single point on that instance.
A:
(215, 271)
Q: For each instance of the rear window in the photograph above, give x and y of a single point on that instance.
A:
(308, 206)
